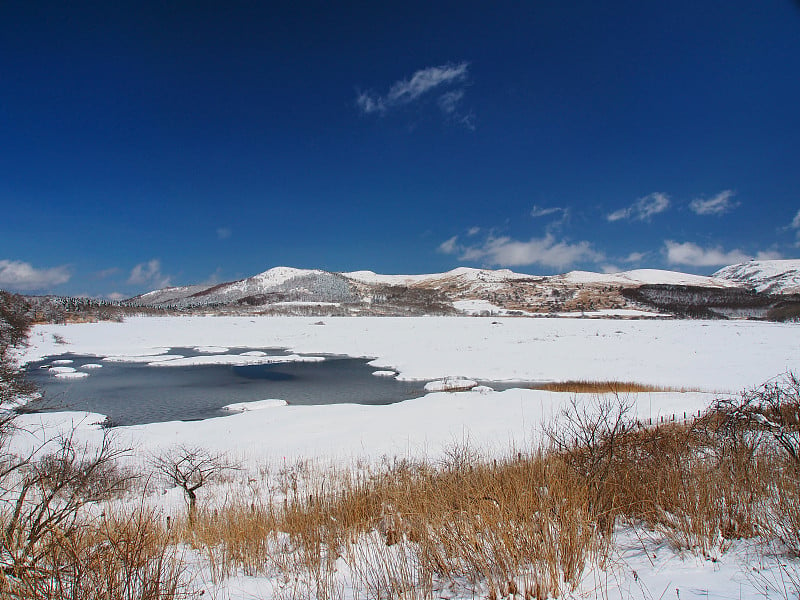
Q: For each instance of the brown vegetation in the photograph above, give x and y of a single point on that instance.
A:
(602, 387)
(527, 525)
(531, 523)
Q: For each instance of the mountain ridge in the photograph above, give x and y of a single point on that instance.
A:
(743, 290)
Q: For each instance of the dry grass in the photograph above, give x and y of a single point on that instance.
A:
(528, 524)
(122, 556)
(603, 387)
(522, 523)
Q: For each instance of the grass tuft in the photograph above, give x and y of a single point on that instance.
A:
(603, 387)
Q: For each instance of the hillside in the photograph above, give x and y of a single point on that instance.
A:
(759, 289)
(771, 276)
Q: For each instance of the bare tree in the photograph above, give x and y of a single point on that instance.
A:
(772, 408)
(589, 434)
(42, 494)
(590, 438)
(190, 468)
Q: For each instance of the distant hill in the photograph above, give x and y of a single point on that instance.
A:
(771, 276)
(758, 289)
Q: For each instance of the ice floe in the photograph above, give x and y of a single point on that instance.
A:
(450, 384)
(255, 405)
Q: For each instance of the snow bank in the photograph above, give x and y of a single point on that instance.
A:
(709, 355)
(450, 384)
(423, 427)
(211, 349)
(255, 405)
(233, 359)
(384, 374)
(71, 375)
(142, 358)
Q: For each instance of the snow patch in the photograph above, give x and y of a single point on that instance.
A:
(384, 373)
(234, 359)
(211, 349)
(143, 358)
(71, 375)
(450, 384)
(255, 405)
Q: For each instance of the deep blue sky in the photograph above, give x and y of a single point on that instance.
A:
(146, 143)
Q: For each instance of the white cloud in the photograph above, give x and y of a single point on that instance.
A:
(643, 209)
(448, 102)
(421, 83)
(114, 296)
(506, 252)
(223, 233)
(719, 204)
(214, 278)
(688, 253)
(105, 273)
(540, 211)
(610, 269)
(796, 221)
(635, 257)
(449, 246)
(18, 275)
(473, 231)
(149, 274)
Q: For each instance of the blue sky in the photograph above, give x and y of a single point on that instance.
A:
(146, 144)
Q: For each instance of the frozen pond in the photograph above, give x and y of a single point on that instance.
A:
(137, 392)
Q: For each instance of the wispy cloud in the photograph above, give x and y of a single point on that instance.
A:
(507, 252)
(448, 102)
(149, 274)
(541, 211)
(22, 276)
(635, 257)
(214, 278)
(114, 296)
(473, 231)
(223, 233)
(106, 273)
(446, 81)
(689, 253)
(795, 224)
(718, 205)
(643, 209)
(449, 246)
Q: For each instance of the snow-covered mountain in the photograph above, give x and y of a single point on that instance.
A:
(277, 285)
(771, 276)
(735, 291)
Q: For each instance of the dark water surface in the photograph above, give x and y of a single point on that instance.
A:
(135, 393)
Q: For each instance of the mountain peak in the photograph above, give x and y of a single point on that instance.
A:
(772, 276)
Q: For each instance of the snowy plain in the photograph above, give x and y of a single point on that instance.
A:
(698, 360)
(701, 358)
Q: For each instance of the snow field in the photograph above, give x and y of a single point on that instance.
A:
(270, 440)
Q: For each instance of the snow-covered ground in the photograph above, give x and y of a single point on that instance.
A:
(707, 357)
(699, 358)
(714, 356)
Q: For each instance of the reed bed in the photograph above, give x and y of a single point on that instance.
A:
(527, 525)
